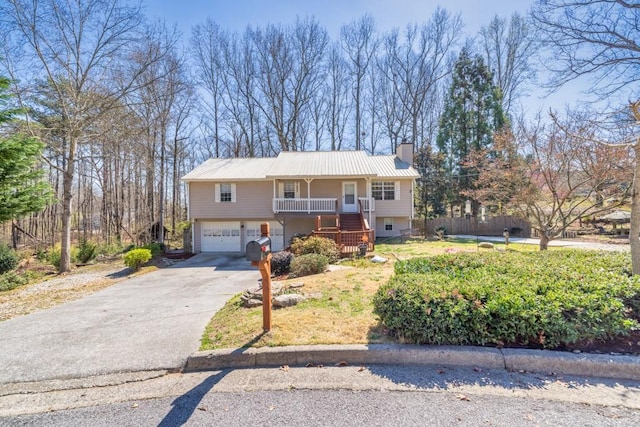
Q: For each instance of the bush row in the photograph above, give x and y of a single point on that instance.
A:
(309, 255)
(547, 299)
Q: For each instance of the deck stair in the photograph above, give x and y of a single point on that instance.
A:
(351, 222)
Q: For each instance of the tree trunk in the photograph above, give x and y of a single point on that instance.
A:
(634, 226)
(67, 196)
(65, 245)
(544, 241)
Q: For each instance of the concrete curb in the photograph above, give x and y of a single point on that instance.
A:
(544, 361)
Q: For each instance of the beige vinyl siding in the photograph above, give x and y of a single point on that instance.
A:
(293, 226)
(253, 200)
(397, 208)
(399, 223)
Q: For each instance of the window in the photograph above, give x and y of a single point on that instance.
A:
(289, 190)
(226, 193)
(388, 224)
(383, 190)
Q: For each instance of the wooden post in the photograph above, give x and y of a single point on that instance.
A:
(265, 270)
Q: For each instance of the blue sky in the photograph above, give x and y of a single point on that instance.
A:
(237, 14)
(332, 14)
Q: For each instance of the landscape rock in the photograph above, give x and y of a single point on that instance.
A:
(252, 297)
(378, 259)
(287, 300)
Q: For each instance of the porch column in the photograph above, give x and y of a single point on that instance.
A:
(308, 181)
(368, 181)
(275, 194)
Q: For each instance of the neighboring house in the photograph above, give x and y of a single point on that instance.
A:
(299, 193)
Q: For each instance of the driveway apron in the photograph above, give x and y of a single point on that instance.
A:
(154, 321)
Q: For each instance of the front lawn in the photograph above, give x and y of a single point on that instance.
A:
(343, 310)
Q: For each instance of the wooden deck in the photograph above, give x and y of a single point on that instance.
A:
(349, 241)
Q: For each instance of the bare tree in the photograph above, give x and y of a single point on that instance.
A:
(338, 94)
(360, 43)
(288, 63)
(510, 47)
(553, 176)
(80, 47)
(206, 44)
(420, 62)
(597, 39)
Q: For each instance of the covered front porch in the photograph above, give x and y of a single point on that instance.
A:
(317, 205)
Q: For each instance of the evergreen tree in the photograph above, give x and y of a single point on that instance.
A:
(22, 190)
(432, 185)
(472, 113)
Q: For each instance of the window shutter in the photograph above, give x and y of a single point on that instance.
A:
(281, 189)
(397, 195)
(217, 196)
(233, 193)
(297, 190)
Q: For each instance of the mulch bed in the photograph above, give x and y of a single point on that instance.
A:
(623, 345)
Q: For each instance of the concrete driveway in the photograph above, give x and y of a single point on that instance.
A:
(154, 321)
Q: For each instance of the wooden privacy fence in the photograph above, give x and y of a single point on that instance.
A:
(494, 226)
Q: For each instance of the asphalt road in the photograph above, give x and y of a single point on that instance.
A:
(153, 321)
(372, 395)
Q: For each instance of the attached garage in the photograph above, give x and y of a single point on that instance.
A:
(221, 236)
(252, 232)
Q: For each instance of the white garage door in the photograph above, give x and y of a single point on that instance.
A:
(252, 231)
(221, 236)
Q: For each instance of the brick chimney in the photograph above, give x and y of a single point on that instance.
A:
(404, 151)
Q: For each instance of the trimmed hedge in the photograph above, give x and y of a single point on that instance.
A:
(136, 257)
(305, 265)
(281, 263)
(316, 245)
(547, 299)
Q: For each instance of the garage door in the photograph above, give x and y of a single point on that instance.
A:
(252, 230)
(221, 236)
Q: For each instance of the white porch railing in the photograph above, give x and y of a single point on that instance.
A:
(304, 205)
(367, 204)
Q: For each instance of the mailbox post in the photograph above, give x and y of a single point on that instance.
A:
(259, 253)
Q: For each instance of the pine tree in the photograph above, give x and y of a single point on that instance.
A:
(472, 114)
(22, 190)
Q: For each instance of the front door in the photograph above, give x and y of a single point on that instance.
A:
(349, 197)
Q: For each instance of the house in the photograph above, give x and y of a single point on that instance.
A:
(340, 194)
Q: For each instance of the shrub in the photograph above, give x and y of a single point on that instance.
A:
(441, 232)
(547, 298)
(316, 245)
(11, 280)
(155, 248)
(136, 257)
(111, 249)
(87, 251)
(307, 264)
(8, 259)
(55, 256)
(281, 263)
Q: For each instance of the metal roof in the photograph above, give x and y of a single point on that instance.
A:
(237, 169)
(392, 167)
(302, 164)
(321, 164)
